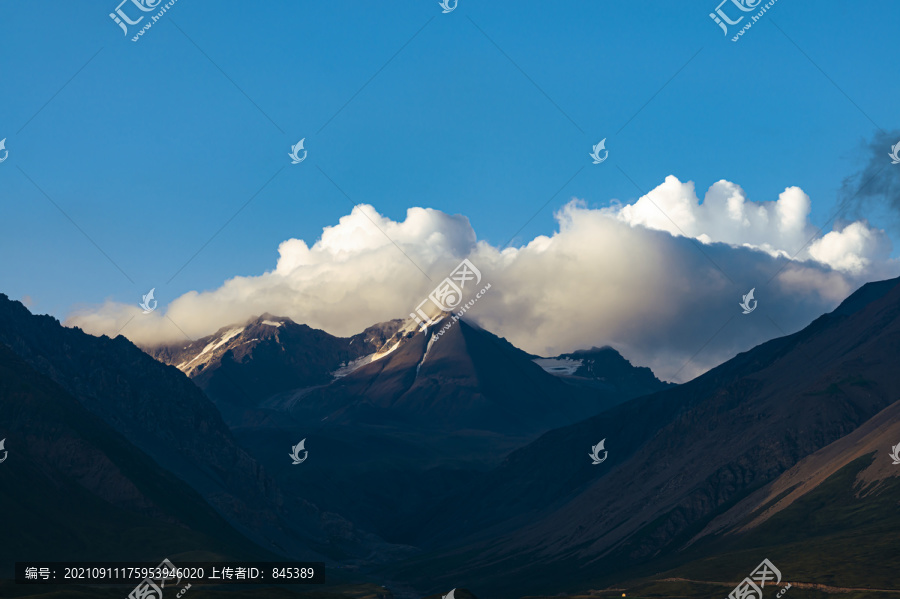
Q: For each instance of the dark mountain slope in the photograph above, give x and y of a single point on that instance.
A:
(73, 488)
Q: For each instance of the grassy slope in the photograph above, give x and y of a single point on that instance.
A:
(829, 537)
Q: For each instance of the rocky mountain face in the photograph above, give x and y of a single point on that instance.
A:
(389, 372)
(677, 458)
(164, 415)
(466, 379)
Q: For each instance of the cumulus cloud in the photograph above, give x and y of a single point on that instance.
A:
(659, 279)
(780, 228)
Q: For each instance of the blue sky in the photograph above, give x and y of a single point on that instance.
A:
(150, 148)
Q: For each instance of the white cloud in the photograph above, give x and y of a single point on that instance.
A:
(657, 279)
(853, 249)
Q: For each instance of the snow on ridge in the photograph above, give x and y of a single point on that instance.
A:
(271, 323)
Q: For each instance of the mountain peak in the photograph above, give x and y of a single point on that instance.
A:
(271, 319)
(603, 368)
(594, 349)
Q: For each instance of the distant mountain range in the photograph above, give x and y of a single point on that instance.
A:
(168, 422)
(459, 460)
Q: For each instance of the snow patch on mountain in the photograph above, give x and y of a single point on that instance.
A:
(349, 367)
(411, 325)
(378, 355)
(425, 355)
(210, 349)
(226, 337)
(565, 366)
